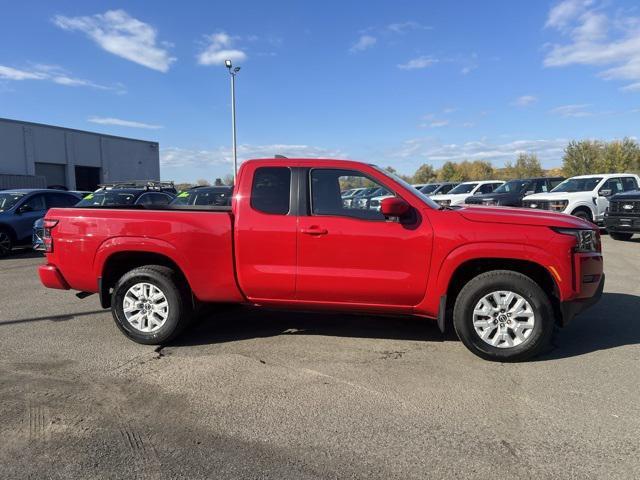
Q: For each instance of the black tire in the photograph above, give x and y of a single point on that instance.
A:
(177, 295)
(6, 242)
(583, 214)
(620, 235)
(520, 284)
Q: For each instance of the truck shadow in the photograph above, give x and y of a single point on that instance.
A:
(612, 322)
(240, 323)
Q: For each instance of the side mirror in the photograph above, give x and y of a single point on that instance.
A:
(394, 207)
(605, 192)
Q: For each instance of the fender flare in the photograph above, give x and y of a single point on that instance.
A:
(431, 304)
(115, 245)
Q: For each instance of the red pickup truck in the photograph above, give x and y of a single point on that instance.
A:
(504, 277)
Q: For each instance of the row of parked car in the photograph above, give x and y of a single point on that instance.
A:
(608, 200)
(22, 210)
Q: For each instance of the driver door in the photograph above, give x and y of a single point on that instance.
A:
(355, 255)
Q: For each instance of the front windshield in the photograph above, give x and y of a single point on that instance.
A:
(408, 186)
(107, 199)
(429, 188)
(204, 196)
(578, 185)
(513, 186)
(463, 188)
(9, 199)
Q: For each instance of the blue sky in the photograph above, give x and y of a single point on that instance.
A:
(394, 83)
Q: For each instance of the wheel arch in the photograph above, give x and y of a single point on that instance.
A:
(9, 229)
(584, 207)
(473, 267)
(121, 262)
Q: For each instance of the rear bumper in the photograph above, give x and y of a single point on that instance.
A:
(51, 277)
(571, 308)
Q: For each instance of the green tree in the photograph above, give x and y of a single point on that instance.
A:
(447, 172)
(526, 165)
(480, 170)
(424, 174)
(582, 157)
(620, 156)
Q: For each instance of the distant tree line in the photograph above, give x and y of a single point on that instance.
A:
(580, 158)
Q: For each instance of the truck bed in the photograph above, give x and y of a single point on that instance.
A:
(198, 239)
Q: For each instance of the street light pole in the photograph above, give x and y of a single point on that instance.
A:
(233, 72)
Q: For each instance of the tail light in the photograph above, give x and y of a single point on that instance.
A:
(48, 225)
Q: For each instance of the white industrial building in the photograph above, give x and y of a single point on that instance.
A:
(34, 155)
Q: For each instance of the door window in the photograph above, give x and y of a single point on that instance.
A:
(541, 186)
(613, 184)
(35, 203)
(329, 185)
(629, 183)
(271, 190)
(153, 199)
(487, 188)
(61, 200)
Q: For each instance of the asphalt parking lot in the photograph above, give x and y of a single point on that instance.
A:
(256, 394)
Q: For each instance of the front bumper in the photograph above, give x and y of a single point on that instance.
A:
(622, 224)
(571, 308)
(51, 277)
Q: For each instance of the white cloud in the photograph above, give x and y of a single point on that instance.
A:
(55, 74)
(633, 87)
(418, 63)
(119, 33)
(9, 73)
(566, 11)
(364, 42)
(403, 27)
(439, 123)
(596, 39)
(181, 157)
(122, 123)
(574, 111)
(219, 49)
(524, 101)
(420, 150)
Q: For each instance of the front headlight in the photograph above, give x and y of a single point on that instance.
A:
(558, 205)
(586, 240)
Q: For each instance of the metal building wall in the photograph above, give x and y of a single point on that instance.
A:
(25, 144)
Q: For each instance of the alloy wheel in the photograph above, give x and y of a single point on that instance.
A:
(503, 319)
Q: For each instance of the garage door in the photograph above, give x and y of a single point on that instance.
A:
(54, 173)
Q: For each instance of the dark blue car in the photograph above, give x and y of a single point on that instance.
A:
(20, 208)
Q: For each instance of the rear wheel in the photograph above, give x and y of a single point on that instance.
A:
(503, 315)
(151, 304)
(6, 243)
(620, 235)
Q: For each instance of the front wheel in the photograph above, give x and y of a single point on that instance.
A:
(151, 305)
(6, 244)
(503, 316)
(620, 235)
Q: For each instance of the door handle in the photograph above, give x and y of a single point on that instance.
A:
(314, 231)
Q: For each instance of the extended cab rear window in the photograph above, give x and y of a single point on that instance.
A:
(271, 190)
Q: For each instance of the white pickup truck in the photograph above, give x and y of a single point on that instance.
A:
(459, 194)
(585, 196)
